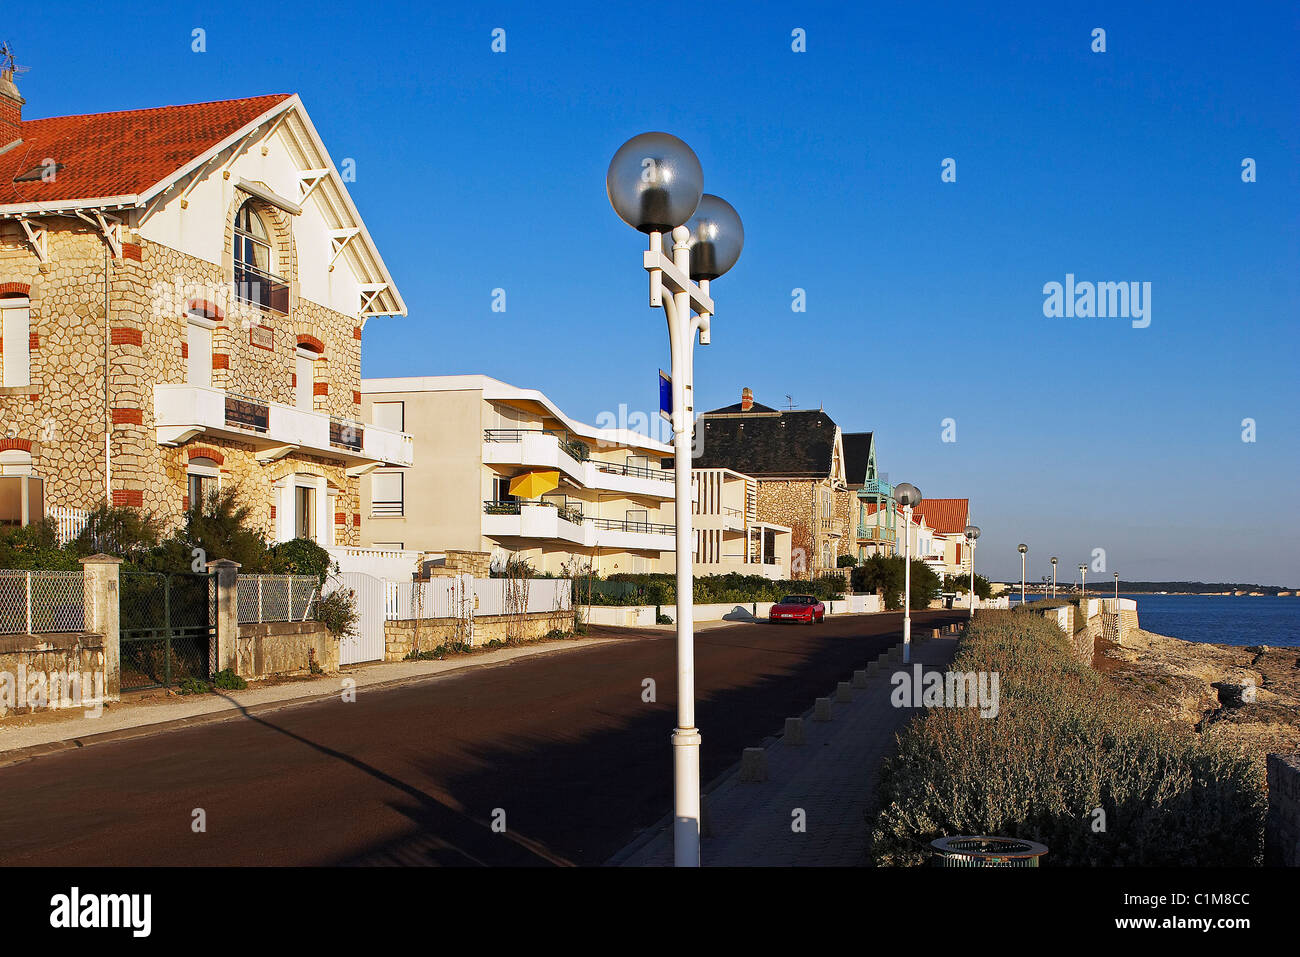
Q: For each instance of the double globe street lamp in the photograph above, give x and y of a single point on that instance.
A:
(655, 184)
(972, 535)
(1083, 580)
(1022, 548)
(1053, 576)
(907, 496)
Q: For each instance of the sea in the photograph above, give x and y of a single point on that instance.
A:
(1219, 619)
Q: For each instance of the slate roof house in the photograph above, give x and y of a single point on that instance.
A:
(798, 459)
(182, 294)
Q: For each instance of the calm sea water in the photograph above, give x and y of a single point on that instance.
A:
(1221, 619)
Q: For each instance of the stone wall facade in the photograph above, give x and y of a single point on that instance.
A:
(22, 656)
(61, 418)
(798, 504)
(403, 636)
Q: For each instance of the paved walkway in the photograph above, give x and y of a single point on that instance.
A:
(27, 735)
(831, 777)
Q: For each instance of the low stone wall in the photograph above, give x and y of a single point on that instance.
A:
(403, 636)
(284, 648)
(1282, 827)
(24, 657)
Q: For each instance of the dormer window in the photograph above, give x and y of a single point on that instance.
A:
(256, 281)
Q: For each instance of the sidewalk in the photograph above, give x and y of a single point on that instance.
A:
(831, 777)
(29, 735)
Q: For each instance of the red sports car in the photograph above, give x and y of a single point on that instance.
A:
(803, 608)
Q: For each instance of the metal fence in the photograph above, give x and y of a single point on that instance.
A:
(265, 598)
(462, 596)
(36, 602)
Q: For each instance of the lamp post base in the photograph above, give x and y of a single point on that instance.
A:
(686, 798)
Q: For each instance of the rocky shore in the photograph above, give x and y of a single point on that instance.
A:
(1250, 695)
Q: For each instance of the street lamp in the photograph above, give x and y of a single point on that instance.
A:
(1083, 581)
(972, 535)
(908, 496)
(1053, 576)
(1022, 548)
(655, 184)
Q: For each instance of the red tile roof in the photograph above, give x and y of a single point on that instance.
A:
(120, 154)
(945, 515)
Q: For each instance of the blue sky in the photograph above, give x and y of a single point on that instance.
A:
(478, 171)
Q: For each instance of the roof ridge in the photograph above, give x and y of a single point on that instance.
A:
(153, 109)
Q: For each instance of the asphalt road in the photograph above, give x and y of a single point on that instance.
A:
(560, 744)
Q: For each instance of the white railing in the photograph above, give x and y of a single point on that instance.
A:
(456, 597)
(68, 522)
(37, 602)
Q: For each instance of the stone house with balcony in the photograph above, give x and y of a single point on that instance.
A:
(871, 497)
(503, 470)
(797, 460)
(182, 297)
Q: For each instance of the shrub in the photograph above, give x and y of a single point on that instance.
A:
(846, 561)
(1064, 742)
(227, 680)
(337, 611)
(885, 573)
(662, 619)
(191, 685)
(302, 556)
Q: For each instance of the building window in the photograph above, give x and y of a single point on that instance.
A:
(501, 489)
(826, 504)
(255, 278)
(15, 338)
(203, 478)
(22, 495)
(304, 512)
(386, 493)
(389, 415)
(305, 372)
(198, 337)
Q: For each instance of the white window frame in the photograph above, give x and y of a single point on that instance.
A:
(377, 419)
(305, 391)
(194, 468)
(400, 500)
(17, 344)
(202, 362)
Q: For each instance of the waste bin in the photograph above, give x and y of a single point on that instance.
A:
(970, 851)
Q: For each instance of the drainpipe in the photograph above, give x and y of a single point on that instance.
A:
(108, 418)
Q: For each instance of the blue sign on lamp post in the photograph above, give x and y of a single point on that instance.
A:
(665, 395)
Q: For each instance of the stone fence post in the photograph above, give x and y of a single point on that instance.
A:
(102, 595)
(227, 623)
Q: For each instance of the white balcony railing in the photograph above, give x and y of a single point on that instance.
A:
(534, 448)
(183, 411)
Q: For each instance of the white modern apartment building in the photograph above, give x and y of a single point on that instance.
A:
(502, 469)
(728, 535)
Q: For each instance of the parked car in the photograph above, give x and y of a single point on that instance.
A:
(804, 608)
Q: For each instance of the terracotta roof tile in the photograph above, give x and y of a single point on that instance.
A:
(120, 154)
(946, 515)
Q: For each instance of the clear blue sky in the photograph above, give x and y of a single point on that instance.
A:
(478, 170)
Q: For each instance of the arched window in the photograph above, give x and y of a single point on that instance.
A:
(256, 280)
(203, 478)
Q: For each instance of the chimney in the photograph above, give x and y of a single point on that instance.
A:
(746, 399)
(11, 109)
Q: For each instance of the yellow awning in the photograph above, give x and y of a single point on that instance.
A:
(534, 484)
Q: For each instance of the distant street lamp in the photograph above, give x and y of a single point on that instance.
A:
(655, 184)
(1053, 576)
(1117, 593)
(1083, 580)
(1022, 548)
(972, 535)
(908, 496)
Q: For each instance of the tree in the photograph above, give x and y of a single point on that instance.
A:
(961, 585)
(886, 574)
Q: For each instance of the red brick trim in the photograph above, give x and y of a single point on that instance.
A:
(131, 497)
(293, 379)
(125, 416)
(220, 360)
(356, 519)
(185, 350)
(22, 445)
(33, 341)
(208, 310)
(320, 388)
(311, 342)
(14, 289)
(356, 397)
(340, 518)
(131, 251)
(273, 513)
(126, 336)
(204, 452)
(185, 503)
(356, 332)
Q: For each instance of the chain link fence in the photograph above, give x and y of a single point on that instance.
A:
(37, 602)
(266, 598)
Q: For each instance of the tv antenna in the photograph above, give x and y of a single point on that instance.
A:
(789, 401)
(7, 62)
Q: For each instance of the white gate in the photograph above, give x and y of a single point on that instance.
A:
(368, 642)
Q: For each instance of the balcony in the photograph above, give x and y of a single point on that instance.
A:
(876, 533)
(539, 448)
(546, 520)
(261, 289)
(182, 412)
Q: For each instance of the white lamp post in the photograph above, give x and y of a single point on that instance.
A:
(972, 535)
(908, 496)
(1053, 576)
(655, 184)
(1022, 548)
(1083, 581)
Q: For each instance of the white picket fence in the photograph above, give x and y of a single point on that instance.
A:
(462, 596)
(68, 521)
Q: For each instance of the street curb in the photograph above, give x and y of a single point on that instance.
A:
(31, 752)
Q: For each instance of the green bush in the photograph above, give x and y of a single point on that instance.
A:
(301, 556)
(227, 680)
(846, 561)
(886, 574)
(337, 611)
(191, 685)
(662, 619)
(1063, 744)
(661, 589)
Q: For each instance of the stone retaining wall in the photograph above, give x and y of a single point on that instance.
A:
(284, 648)
(24, 657)
(425, 634)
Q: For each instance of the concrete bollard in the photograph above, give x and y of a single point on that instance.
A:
(934, 633)
(860, 678)
(843, 692)
(753, 765)
(822, 709)
(793, 731)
